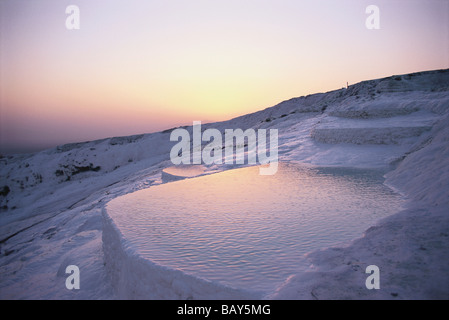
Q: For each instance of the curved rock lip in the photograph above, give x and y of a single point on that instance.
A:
(182, 172)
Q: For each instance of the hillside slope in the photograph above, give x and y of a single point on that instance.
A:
(51, 201)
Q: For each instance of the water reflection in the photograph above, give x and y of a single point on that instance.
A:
(247, 230)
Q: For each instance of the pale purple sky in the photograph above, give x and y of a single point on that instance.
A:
(142, 66)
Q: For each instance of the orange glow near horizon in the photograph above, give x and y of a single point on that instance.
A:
(152, 65)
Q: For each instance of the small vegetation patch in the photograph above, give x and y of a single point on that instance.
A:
(4, 191)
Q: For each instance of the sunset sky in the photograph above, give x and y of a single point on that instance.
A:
(143, 66)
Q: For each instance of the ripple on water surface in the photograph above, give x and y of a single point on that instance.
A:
(247, 230)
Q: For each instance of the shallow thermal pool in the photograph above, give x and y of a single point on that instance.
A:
(251, 231)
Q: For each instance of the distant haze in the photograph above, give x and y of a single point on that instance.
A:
(144, 66)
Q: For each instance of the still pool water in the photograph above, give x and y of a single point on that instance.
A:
(251, 231)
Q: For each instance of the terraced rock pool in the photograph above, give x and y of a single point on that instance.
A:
(250, 231)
